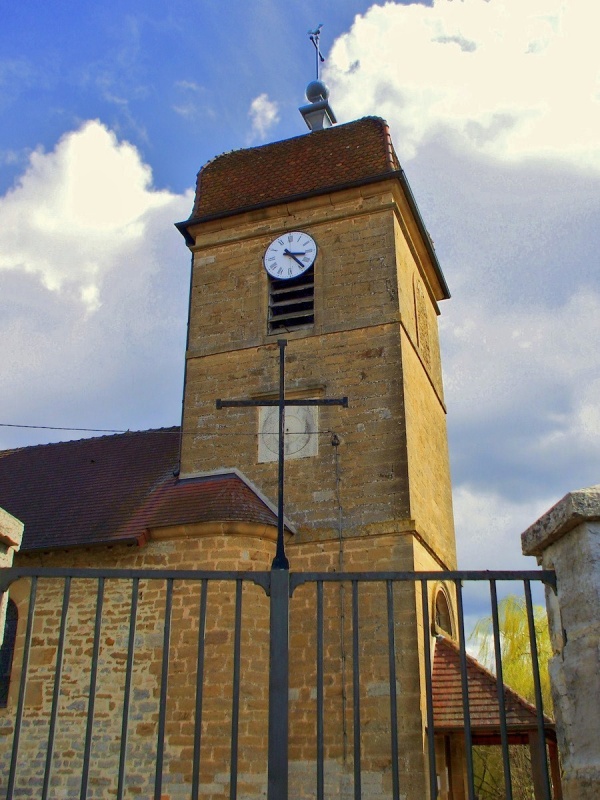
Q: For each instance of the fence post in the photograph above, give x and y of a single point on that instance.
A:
(278, 685)
(567, 539)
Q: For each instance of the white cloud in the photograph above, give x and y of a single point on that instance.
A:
(578, 430)
(192, 103)
(15, 75)
(500, 360)
(489, 527)
(488, 532)
(190, 86)
(75, 209)
(264, 114)
(523, 393)
(93, 277)
(512, 79)
(9, 157)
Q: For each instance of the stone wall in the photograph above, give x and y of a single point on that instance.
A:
(368, 553)
(69, 739)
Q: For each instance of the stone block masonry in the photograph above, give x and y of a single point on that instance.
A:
(340, 698)
(374, 339)
(11, 534)
(567, 539)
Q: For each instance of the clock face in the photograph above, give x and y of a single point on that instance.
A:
(300, 438)
(290, 255)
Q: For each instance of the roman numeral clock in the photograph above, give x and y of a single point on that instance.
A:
(289, 256)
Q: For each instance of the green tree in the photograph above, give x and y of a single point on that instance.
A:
(517, 672)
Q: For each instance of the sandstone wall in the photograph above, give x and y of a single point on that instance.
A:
(374, 339)
(373, 693)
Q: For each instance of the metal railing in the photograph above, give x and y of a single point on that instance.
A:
(168, 683)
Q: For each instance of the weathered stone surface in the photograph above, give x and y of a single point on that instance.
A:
(376, 552)
(374, 339)
(11, 533)
(574, 508)
(567, 539)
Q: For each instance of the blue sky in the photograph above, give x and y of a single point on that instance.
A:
(170, 77)
(108, 111)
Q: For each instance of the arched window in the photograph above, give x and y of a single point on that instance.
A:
(443, 617)
(7, 650)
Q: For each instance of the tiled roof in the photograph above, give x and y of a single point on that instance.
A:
(210, 498)
(112, 489)
(320, 162)
(315, 162)
(483, 698)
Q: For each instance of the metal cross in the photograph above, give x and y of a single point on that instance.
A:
(280, 561)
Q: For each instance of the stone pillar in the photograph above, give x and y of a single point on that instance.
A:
(567, 539)
(11, 533)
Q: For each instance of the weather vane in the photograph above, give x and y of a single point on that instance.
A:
(318, 113)
(314, 37)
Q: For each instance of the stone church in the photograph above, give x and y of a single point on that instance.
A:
(316, 240)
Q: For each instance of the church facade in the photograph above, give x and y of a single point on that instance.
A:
(316, 240)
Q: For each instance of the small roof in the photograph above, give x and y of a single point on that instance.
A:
(112, 489)
(483, 697)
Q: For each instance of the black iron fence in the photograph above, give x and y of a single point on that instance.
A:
(186, 684)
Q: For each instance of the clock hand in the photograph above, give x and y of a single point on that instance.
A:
(292, 255)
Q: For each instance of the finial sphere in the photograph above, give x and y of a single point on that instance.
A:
(315, 91)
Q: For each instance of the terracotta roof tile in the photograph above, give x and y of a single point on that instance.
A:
(212, 498)
(483, 698)
(112, 489)
(320, 162)
(315, 162)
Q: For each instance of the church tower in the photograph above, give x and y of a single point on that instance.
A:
(318, 240)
